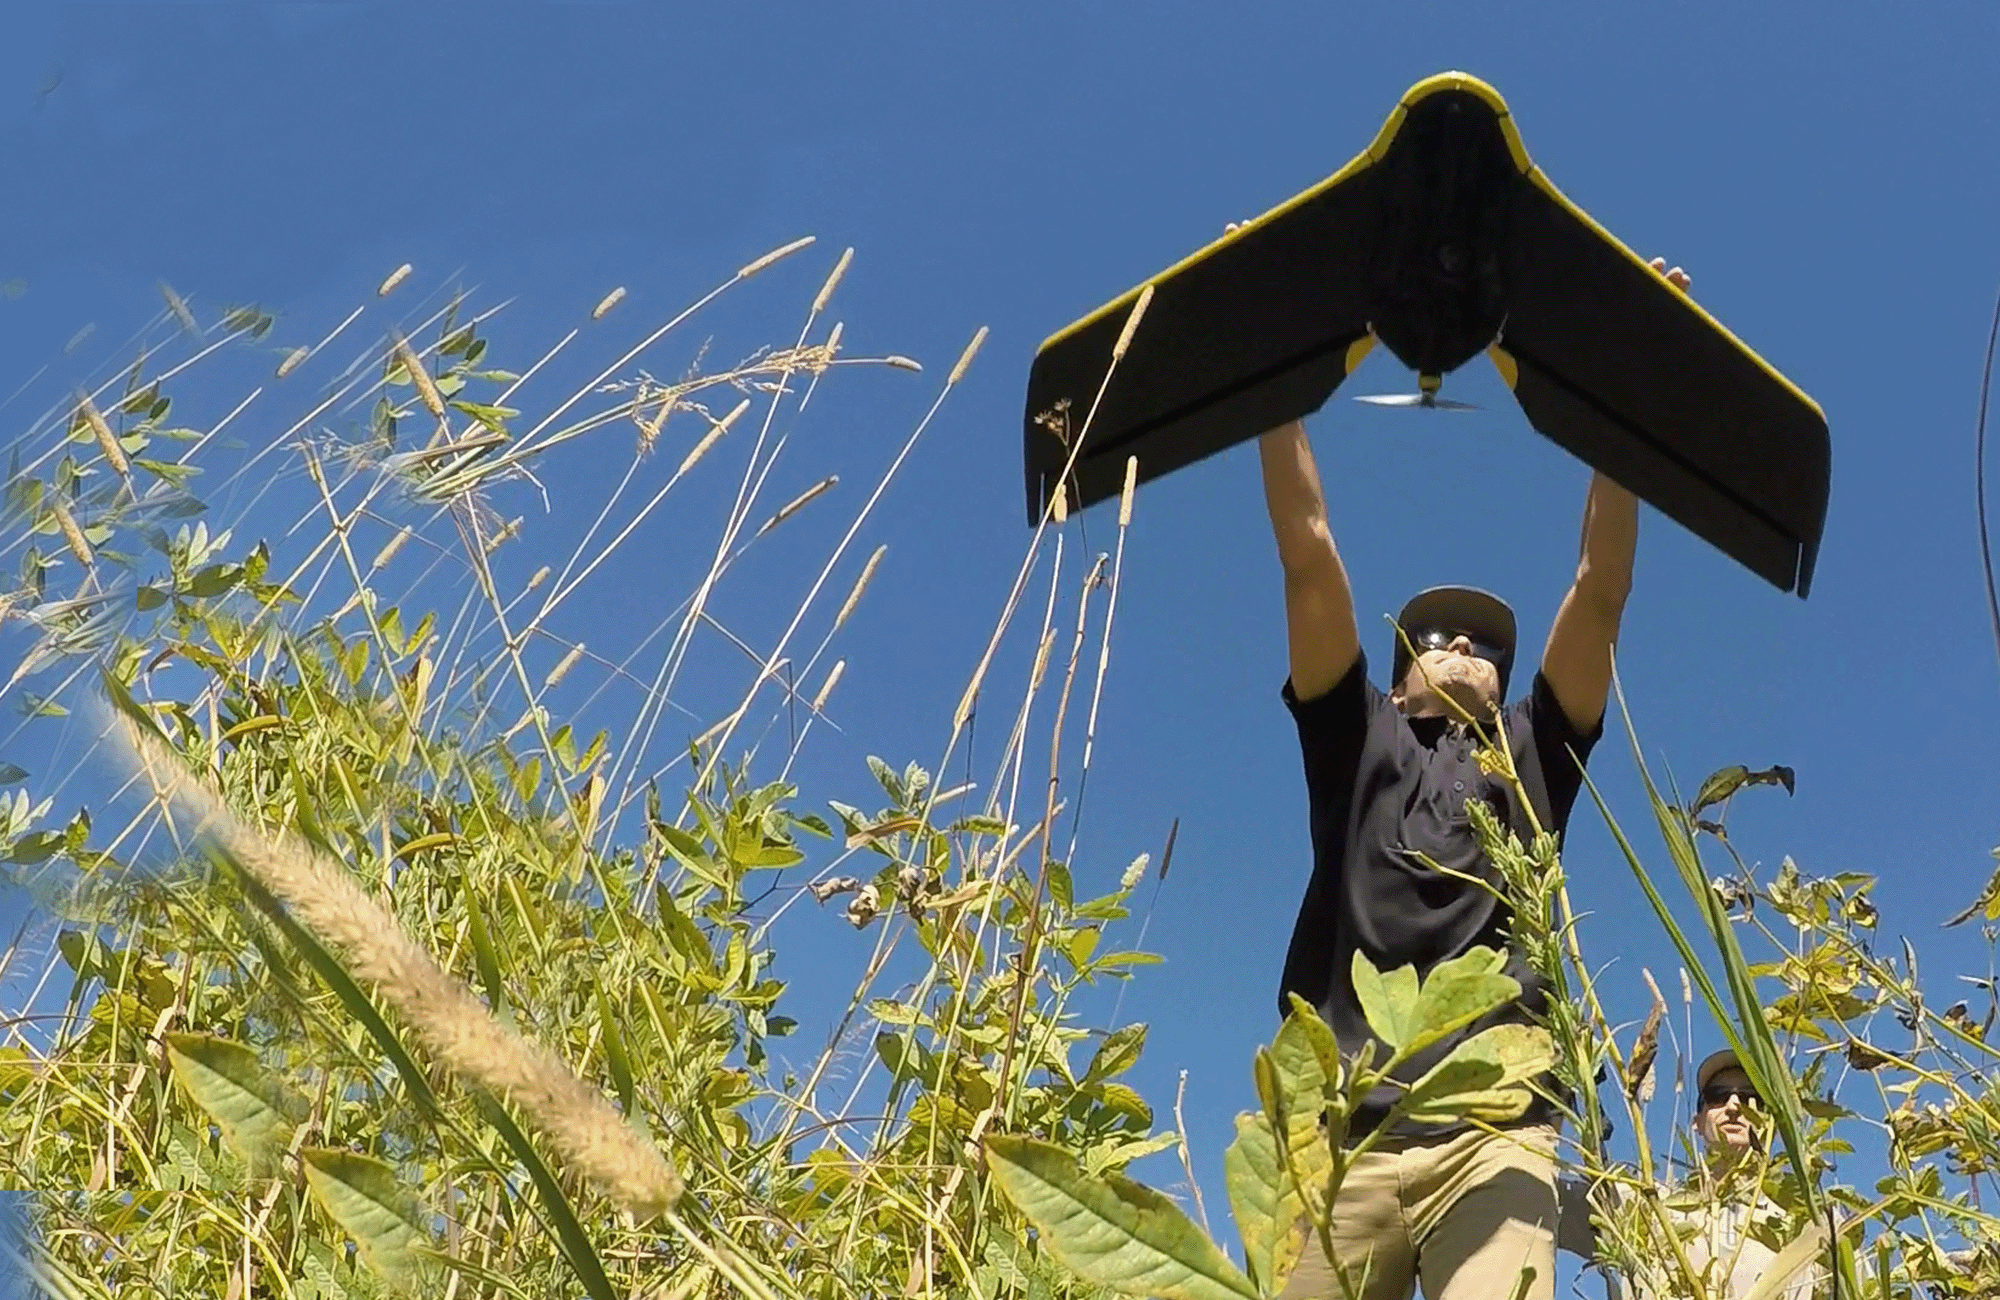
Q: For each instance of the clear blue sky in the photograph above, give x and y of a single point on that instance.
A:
(1824, 172)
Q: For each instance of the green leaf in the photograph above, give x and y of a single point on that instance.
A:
(1458, 992)
(615, 1056)
(1265, 1202)
(1116, 1054)
(493, 417)
(1388, 1001)
(1484, 1077)
(371, 1206)
(1726, 782)
(1112, 1231)
(235, 1090)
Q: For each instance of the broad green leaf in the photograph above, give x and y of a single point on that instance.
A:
(1484, 1077)
(1112, 1231)
(229, 1083)
(1301, 1069)
(1721, 784)
(1267, 1201)
(371, 1206)
(1388, 1001)
(1319, 1037)
(1458, 992)
(1117, 1053)
(1116, 1154)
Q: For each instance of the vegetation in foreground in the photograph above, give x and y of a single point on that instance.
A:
(392, 980)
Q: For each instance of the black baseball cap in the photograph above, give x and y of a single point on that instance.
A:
(1480, 615)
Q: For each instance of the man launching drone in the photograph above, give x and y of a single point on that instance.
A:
(1388, 777)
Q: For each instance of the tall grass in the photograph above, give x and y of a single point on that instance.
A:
(422, 946)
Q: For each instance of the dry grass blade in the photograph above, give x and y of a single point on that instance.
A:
(451, 1021)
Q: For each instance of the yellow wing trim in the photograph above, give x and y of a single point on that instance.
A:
(1432, 85)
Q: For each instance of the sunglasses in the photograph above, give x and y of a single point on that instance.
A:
(1441, 639)
(1718, 1094)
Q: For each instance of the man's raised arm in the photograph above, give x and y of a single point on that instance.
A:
(1319, 606)
(1577, 661)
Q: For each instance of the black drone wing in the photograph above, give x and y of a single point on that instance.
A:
(1254, 330)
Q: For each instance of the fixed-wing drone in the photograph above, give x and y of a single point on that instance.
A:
(1441, 241)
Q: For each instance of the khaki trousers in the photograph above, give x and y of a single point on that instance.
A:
(1462, 1215)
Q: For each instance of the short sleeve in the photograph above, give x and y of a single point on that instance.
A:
(1333, 728)
(1560, 749)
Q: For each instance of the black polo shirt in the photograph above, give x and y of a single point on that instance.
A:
(1384, 788)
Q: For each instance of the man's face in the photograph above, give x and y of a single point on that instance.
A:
(1721, 1117)
(1454, 673)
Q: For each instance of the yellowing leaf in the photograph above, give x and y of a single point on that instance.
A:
(228, 1082)
(1388, 1001)
(368, 1202)
(1112, 1231)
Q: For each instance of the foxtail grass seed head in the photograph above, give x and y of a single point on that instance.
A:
(1059, 508)
(561, 670)
(541, 576)
(1135, 873)
(426, 390)
(1125, 499)
(1132, 323)
(798, 503)
(833, 339)
(178, 306)
(293, 360)
(965, 358)
(902, 363)
(860, 585)
(713, 436)
(825, 294)
(609, 301)
(445, 1015)
(107, 442)
(774, 256)
(78, 545)
(396, 277)
(826, 687)
(389, 549)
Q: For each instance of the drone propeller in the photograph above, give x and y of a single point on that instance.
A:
(1416, 399)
